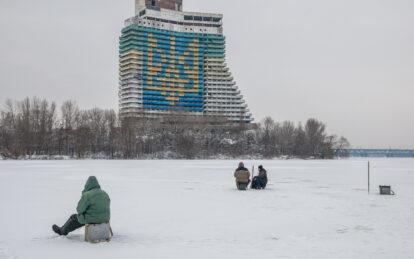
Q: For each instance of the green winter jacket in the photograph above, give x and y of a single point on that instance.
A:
(93, 207)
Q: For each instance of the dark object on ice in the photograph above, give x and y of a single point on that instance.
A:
(386, 190)
(96, 233)
(242, 176)
(93, 208)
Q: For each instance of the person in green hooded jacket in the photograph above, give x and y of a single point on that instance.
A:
(93, 208)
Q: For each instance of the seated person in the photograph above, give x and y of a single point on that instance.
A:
(260, 181)
(242, 176)
(93, 208)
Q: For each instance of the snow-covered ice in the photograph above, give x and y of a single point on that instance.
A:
(191, 209)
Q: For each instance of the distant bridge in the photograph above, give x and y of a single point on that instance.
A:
(381, 152)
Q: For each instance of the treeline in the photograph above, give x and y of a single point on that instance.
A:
(35, 127)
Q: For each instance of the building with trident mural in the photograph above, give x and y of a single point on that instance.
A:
(172, 60)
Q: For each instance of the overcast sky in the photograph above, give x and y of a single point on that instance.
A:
(349, 63)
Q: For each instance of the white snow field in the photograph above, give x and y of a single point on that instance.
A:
(191, 209)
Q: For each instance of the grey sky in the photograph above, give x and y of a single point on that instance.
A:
(349, 63)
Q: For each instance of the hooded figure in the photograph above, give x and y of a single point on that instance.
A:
(242, 176)
(93, 208)
(260, 181)
(263, 175)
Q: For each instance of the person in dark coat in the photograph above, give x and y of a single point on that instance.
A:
(93, 208)
(242, 176)
(260, 181)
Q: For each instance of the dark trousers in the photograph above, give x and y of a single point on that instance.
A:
(71, 225)
(242, 186)
(257, 183)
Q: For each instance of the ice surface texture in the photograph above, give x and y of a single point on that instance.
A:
(191, 209)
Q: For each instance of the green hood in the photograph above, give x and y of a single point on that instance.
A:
(94, 205)
(91, 184)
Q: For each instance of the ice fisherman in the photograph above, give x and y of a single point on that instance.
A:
(93, 208)
(260, 181)
(242, 176)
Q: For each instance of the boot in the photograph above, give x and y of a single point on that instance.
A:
(70, 225)
(57, 230)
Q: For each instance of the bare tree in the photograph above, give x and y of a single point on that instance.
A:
(268, 137)
(300, 142)
(70, 117)
(315, 137)
(341, 147)
(70, 111)
(32, 126)
(9, 146)
(286, 138)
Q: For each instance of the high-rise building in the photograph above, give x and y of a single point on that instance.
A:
(172, 60)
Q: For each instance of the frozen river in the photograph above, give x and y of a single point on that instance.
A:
(191, 209)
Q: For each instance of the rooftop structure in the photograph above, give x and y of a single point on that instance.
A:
(176, 5)
(172, 60)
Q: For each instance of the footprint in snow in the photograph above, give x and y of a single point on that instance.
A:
(365, 229)
(342, 230)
